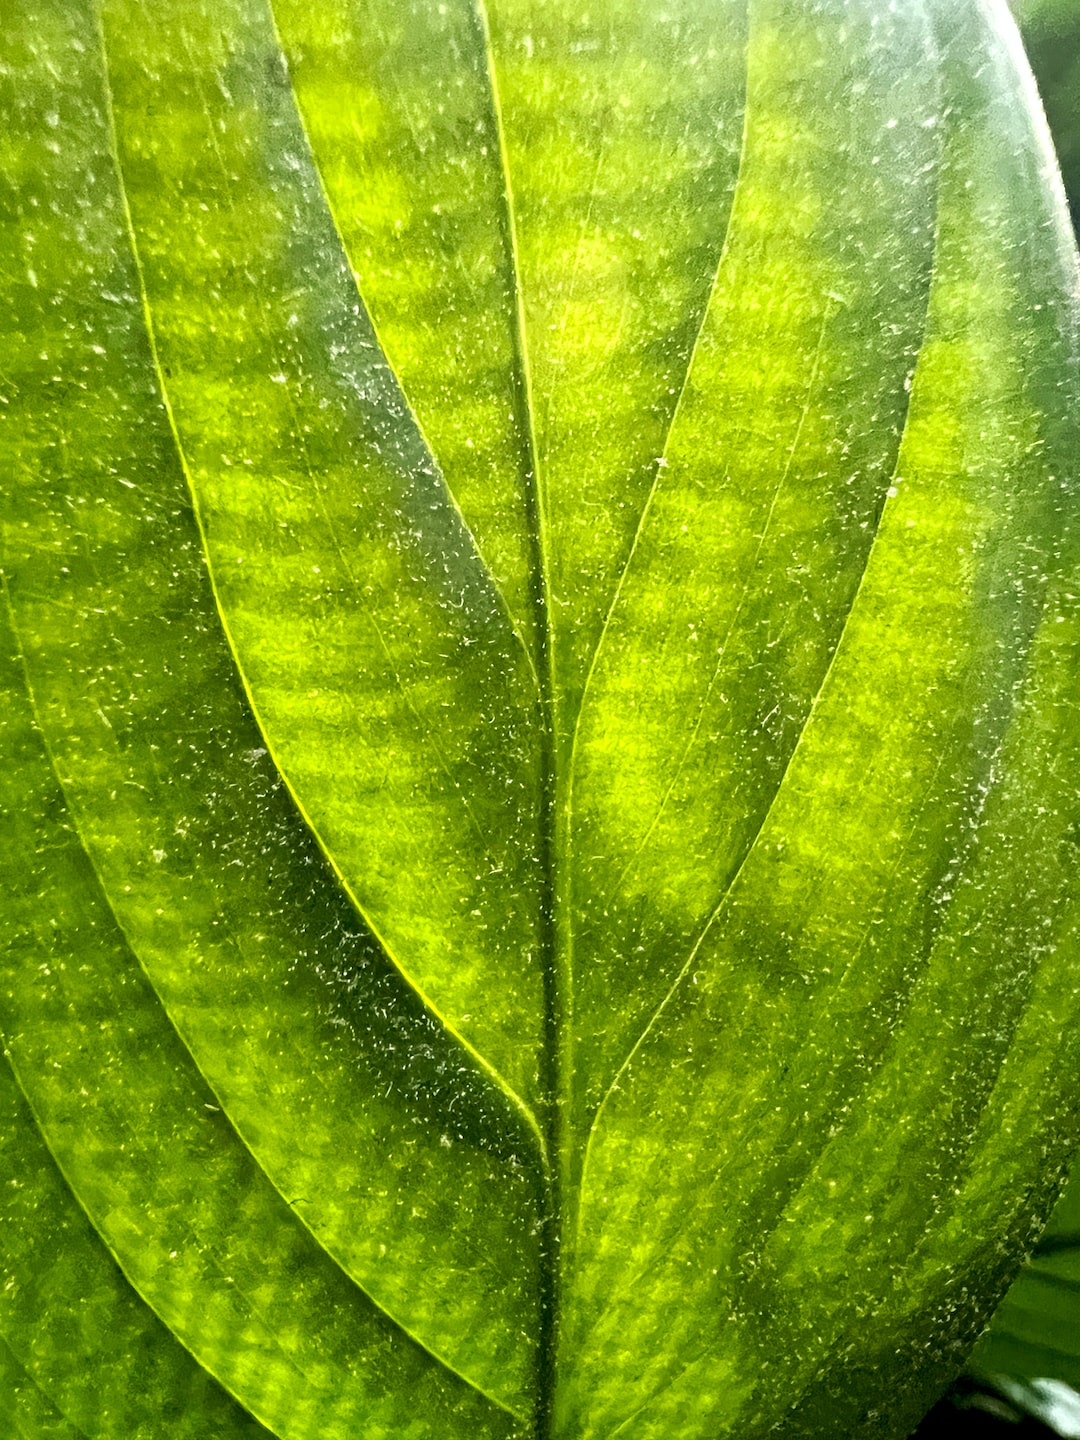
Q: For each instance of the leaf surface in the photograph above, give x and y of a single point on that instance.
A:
(540, 642)
(67, 1313)
(260, 963)
(1035, 1332)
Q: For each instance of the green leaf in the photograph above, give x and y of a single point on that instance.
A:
(539, 645)
(67, 1314)
(1035, 1333)
(1051, 30)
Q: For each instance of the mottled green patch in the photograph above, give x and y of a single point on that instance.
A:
(80, 1354)
(539, 645)
(765, 507)
(259, 960)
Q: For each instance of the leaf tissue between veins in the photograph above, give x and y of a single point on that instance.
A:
(540, 639)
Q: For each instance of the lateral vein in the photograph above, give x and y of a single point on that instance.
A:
(53, 1403)
(778, 789)
(384, 351)
(130, 947)
(498, 1079)
(660, 464)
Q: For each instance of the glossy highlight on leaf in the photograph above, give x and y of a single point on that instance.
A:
(539, 647)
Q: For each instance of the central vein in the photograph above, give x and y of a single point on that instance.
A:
(554, 927)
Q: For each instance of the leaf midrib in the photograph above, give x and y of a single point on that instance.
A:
(556, 795)
(556, 1061)
(557, 799)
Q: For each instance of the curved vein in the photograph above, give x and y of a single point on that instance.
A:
(497, 1078)
(661, 461)
(778, 789)
(189, 1053)
(750, 571)
(384, 350)
(32, 1379)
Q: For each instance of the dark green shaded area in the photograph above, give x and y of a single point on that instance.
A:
(1051, 31)
(285, 1003)
(81, 1356)
(1035, 1334)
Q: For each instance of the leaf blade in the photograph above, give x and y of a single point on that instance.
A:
(696, 743)
(115, 619)
(768, 1044)
(286, 543)
(777, 914)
